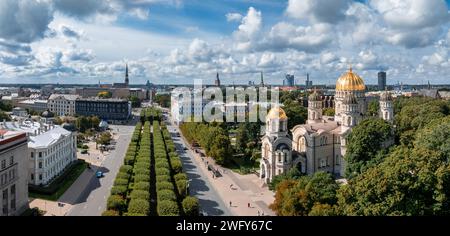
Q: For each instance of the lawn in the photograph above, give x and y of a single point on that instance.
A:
(57, 188)
(242, 165)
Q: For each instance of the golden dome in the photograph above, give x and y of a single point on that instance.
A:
(350, 82)
(277, 113)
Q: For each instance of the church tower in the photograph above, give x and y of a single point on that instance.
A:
(127, 81)
(386, 107)
(314, 108)
(351, 114)
(276, 146)
(217, 82)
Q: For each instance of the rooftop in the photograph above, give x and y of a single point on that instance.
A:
(41, 134)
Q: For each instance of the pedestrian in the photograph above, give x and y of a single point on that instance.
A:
(259, 213)
(230, 203)
(262, 213)
(248, 205)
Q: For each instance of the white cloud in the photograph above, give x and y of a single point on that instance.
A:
(412, 14)
(318, 10)
(233, 17)
(24, 20)
(248, 29)
(285, 35)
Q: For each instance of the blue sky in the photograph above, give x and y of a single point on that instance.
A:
(176, 41)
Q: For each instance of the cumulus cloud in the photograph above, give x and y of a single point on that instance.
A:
(24, 20)
(318, 10)
(412, 23)
(285, 35)
(80, 10)
(412, 13)
(69, 32)
(248, 30)
(233, 17)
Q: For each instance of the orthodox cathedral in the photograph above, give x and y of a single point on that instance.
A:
(320, 144)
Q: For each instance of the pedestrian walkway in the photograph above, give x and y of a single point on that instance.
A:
(51, 208)
(239, 190)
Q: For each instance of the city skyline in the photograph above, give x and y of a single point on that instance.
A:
(60, 41)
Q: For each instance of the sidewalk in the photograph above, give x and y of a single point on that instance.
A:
(245, 188)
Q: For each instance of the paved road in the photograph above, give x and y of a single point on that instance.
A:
(89, 194)
(199, 186)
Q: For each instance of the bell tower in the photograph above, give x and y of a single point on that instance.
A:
(127, 81)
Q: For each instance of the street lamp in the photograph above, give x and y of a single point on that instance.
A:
(187, 187)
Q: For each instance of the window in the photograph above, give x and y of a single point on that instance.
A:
(40, 176)
(3, 164)
(11, 160)
(5, 202)
(323, 163)
(338, 160)
(40, 154)
(13, 197)
(32, 176)
(32, 154)
(40, 165)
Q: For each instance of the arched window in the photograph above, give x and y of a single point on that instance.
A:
(266, 151)
(301, 144)
(338, 160)
(349, 121)
(385, 115)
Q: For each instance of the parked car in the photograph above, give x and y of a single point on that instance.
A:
(185, 148)
(99, 174)
(84, 151)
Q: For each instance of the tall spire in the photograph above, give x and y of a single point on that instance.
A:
(217, 82)
(127, 81)
(262, 79)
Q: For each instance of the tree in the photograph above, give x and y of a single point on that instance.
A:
(293, 174)
(328, 111)
(412, 180)
(138, 206)
(296, 113)
(4, 116)
(163, 100)
(168, 208)
(364, 145)
(135, 101)
(104, 139)
(191, 206)
(373, 108)
(5, 106)
(298, 197)
(104, 94)
(116, 202)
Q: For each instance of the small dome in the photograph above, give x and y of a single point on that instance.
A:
(277, 113)
(47, 114)
(68, 126)
(350, 99)
(386, 96)
(350, 82)
(103, 124)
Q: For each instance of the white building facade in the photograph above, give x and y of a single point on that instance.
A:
(62, 104)
(13, 173)
(51, 149)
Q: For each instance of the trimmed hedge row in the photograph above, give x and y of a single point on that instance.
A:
(116, 204)
(140, 195)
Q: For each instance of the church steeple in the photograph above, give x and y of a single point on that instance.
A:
(127, 81)
(217, 82)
